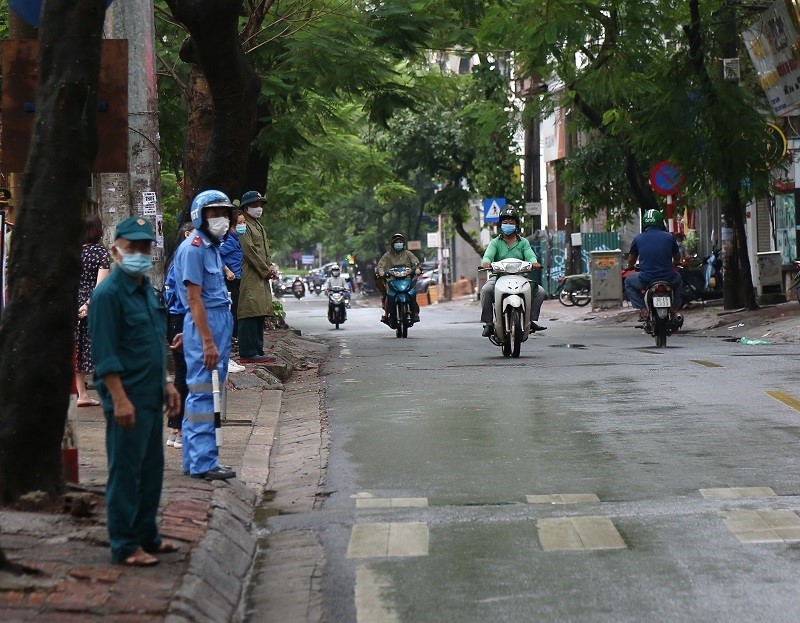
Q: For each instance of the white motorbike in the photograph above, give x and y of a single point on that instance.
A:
(512, 305)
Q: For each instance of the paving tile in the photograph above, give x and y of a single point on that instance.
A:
(375, 540)
(391, 502)
(579, 533)
(374, 503)
(734, 493)
(408, 539)
(563, 498)
(762, 526)
(370, 605)
(368, 540)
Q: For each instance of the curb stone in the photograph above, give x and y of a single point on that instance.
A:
(220, 565)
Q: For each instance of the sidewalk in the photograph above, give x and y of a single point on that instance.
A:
(773, 323)
(205, 580)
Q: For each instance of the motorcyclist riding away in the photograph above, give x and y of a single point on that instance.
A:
(509, 244)
(398, 255)
(657, 252)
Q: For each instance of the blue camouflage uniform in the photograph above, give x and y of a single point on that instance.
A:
(198, 261)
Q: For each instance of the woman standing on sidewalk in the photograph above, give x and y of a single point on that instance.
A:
(95, 266)
(176, 313)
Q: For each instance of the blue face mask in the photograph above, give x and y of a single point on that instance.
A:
(241, 229)
(398, 246)
(508, 228)
(135, 264)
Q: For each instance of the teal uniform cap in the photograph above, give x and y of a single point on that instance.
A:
(252, 196)
(135, 228)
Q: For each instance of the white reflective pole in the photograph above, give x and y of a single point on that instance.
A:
(217, 410)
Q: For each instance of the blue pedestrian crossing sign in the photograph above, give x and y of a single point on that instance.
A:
(492, 208)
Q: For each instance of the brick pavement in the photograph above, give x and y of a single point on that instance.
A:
(75, 579)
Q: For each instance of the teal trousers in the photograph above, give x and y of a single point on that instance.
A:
(251, 336)
(135, 475)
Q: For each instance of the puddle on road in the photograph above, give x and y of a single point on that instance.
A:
(577, 346)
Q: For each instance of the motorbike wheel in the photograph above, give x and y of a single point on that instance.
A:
(660, 331)
(402, 327)
(516, 332)
(581, 297)
(565, 298)
(506, 348)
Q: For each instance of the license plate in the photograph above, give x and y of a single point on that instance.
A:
(662, 301)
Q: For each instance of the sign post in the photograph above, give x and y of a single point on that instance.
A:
(667, 180)
(492, 208)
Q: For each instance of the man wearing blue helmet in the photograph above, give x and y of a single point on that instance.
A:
(207, 330)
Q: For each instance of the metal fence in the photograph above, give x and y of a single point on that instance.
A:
(552, 253)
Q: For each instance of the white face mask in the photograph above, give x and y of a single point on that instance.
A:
(255, 212)
(218, 226)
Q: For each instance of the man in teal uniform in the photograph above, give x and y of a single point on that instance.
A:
(128, 329)
(509, 244)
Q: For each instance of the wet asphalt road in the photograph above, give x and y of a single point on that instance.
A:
(584, 410)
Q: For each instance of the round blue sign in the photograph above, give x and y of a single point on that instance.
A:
(666, 178)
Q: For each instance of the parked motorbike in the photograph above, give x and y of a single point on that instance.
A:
(512, 305)
(574, 290)
(713, 271)
(298, 289)
(337, 303)
(796, 281)
(400, 288)
(661, 320)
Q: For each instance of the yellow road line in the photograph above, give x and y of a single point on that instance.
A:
(785, 398)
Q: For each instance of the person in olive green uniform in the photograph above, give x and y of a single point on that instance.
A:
(255, 290)
(128, 328)
(398, 255)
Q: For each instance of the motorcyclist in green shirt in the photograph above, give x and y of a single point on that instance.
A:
(509, 244)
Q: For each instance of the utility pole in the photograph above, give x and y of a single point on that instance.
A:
(139, 191)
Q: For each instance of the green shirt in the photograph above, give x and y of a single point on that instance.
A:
(499, 250)
(128, 327)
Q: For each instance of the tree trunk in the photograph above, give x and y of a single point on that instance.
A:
(36, 337)
(234, 87)
(198, 130)
(257, 170)
(458, 223)
(738, 281)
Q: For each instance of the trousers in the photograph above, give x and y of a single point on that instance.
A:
(251, 336)
(200, 453)
(635, 284)
(175, 326)
(133, 491)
